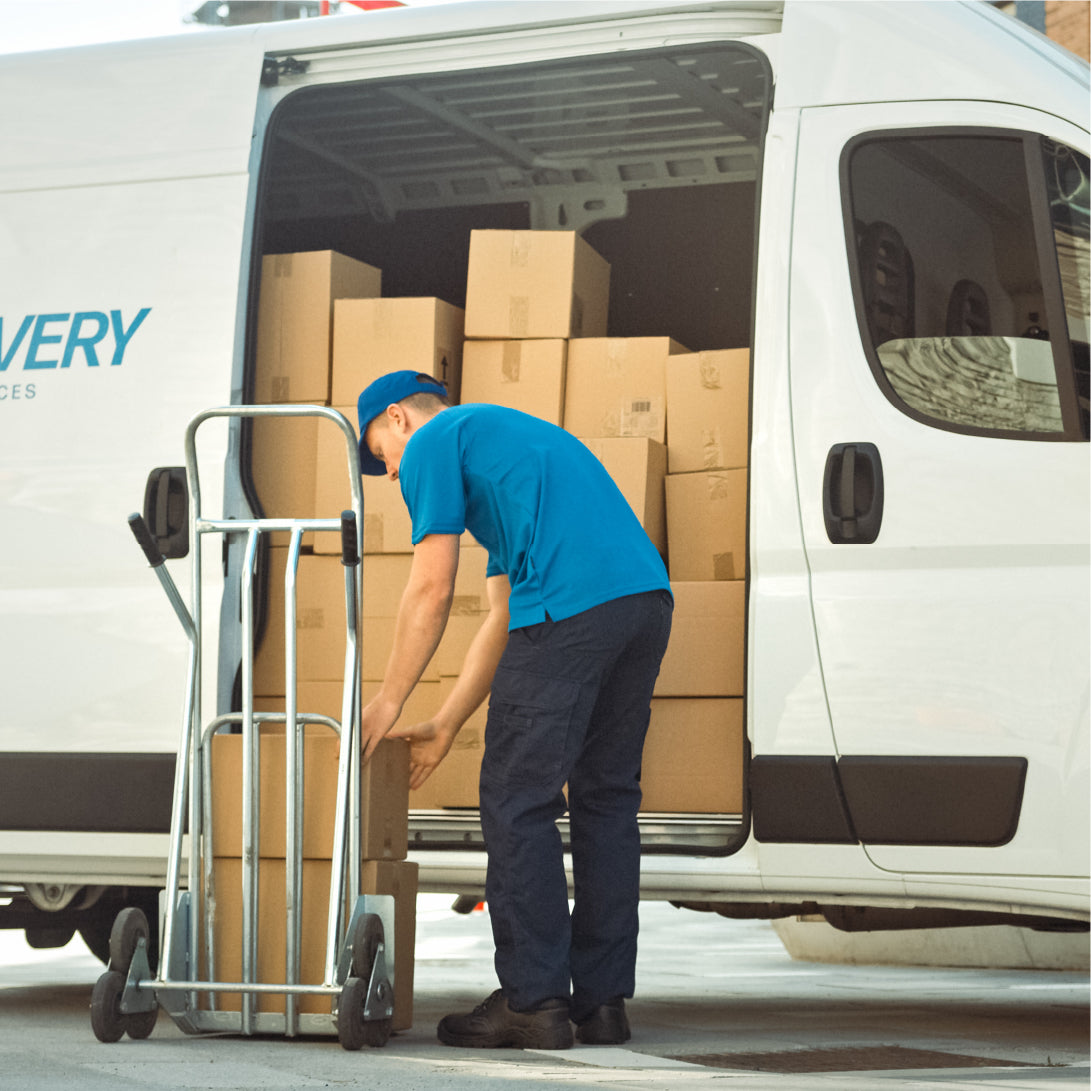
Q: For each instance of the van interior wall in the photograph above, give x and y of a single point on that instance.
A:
(681, 259)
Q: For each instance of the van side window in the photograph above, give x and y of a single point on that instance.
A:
(970, 256)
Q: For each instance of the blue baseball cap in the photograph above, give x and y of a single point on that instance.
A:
(389, 390)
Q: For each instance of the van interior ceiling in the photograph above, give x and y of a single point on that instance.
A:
(396, 173)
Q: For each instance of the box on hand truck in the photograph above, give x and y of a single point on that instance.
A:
(360, 928)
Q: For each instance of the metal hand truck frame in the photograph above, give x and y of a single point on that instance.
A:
(126, 998)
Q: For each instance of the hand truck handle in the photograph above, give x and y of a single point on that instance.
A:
(144, 537)
(350, 556)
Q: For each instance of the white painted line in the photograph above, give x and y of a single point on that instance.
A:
(614, 1057)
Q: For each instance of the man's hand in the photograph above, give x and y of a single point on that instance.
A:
(377, 718)
(428, 745)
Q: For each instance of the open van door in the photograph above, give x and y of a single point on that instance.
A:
(938, 341)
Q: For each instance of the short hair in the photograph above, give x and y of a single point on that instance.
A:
(426, 401)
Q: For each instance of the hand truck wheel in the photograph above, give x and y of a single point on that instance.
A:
(130, 926)
(366, 939)
(353, 1030)
(107, 1021)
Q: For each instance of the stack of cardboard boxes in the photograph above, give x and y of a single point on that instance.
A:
(384, 844)
(669, 425)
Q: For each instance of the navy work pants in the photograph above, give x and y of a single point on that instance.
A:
(569, 704)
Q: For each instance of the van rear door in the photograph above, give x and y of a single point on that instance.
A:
(939, 391)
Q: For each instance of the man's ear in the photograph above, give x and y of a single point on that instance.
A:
(395, 415)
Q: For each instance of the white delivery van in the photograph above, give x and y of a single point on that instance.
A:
(886, 203)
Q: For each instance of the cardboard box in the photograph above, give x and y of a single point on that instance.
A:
(331, 484)
(295, 321)
(387, 527)
(708, 405)
(617, 386)
(283, 464)
(706, 525)
(705, 654)
(454, 782)
(385, 576)
(321, 634)
(396, 878)
(269, 667)
(384, 794)
(376, 644)
(535, 284)
(374, 336)
(523, 375)
(693, 756)
(455, 643)
(639, 469)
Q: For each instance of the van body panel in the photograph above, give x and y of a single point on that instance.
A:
(786, 704)
(963, 630)
(132, 112)
(135, 185)
(837, 52)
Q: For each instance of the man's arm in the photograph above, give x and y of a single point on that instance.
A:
(430, 741)
(422, 617)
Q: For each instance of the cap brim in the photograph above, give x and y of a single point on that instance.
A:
(370, 466)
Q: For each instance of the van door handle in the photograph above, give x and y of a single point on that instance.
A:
(852, 493)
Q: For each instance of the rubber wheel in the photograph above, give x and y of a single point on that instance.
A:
(377, 1031)
(351, 1026)
(106, 1019)
(129, 926)
(366, 938)
(139, 1024)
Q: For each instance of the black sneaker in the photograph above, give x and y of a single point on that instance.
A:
(607, 1025)
(493, 1024)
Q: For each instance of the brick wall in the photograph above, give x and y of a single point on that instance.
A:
(1068, 22)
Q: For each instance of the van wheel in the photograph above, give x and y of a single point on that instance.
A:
(97, 938)
(45, 938)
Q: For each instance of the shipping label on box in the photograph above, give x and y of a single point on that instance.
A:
(295, 320)
(693, 756)
(535, 284)
(374, 336)
(617, 386)
(706, 525)
(638, 467)
(705, 655)
(523, 375)
(708, 404)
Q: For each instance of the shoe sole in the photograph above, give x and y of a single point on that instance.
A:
(512, 1039)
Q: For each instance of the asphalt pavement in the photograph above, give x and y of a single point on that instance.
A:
(720, 1003)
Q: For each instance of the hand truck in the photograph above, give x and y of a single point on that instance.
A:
(126, 998)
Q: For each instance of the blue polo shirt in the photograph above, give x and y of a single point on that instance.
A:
(538, 500)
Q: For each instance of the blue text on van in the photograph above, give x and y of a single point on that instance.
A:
(58, 340)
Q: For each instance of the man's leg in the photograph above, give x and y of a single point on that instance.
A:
(604, 798)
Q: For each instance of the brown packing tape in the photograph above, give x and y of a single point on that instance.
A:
(711, 447)
(519, 315)
(521, 242)
(723, 566)
(510, 357)
(709, 372)
(373, 533)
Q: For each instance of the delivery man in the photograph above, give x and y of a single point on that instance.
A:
(578, 621)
